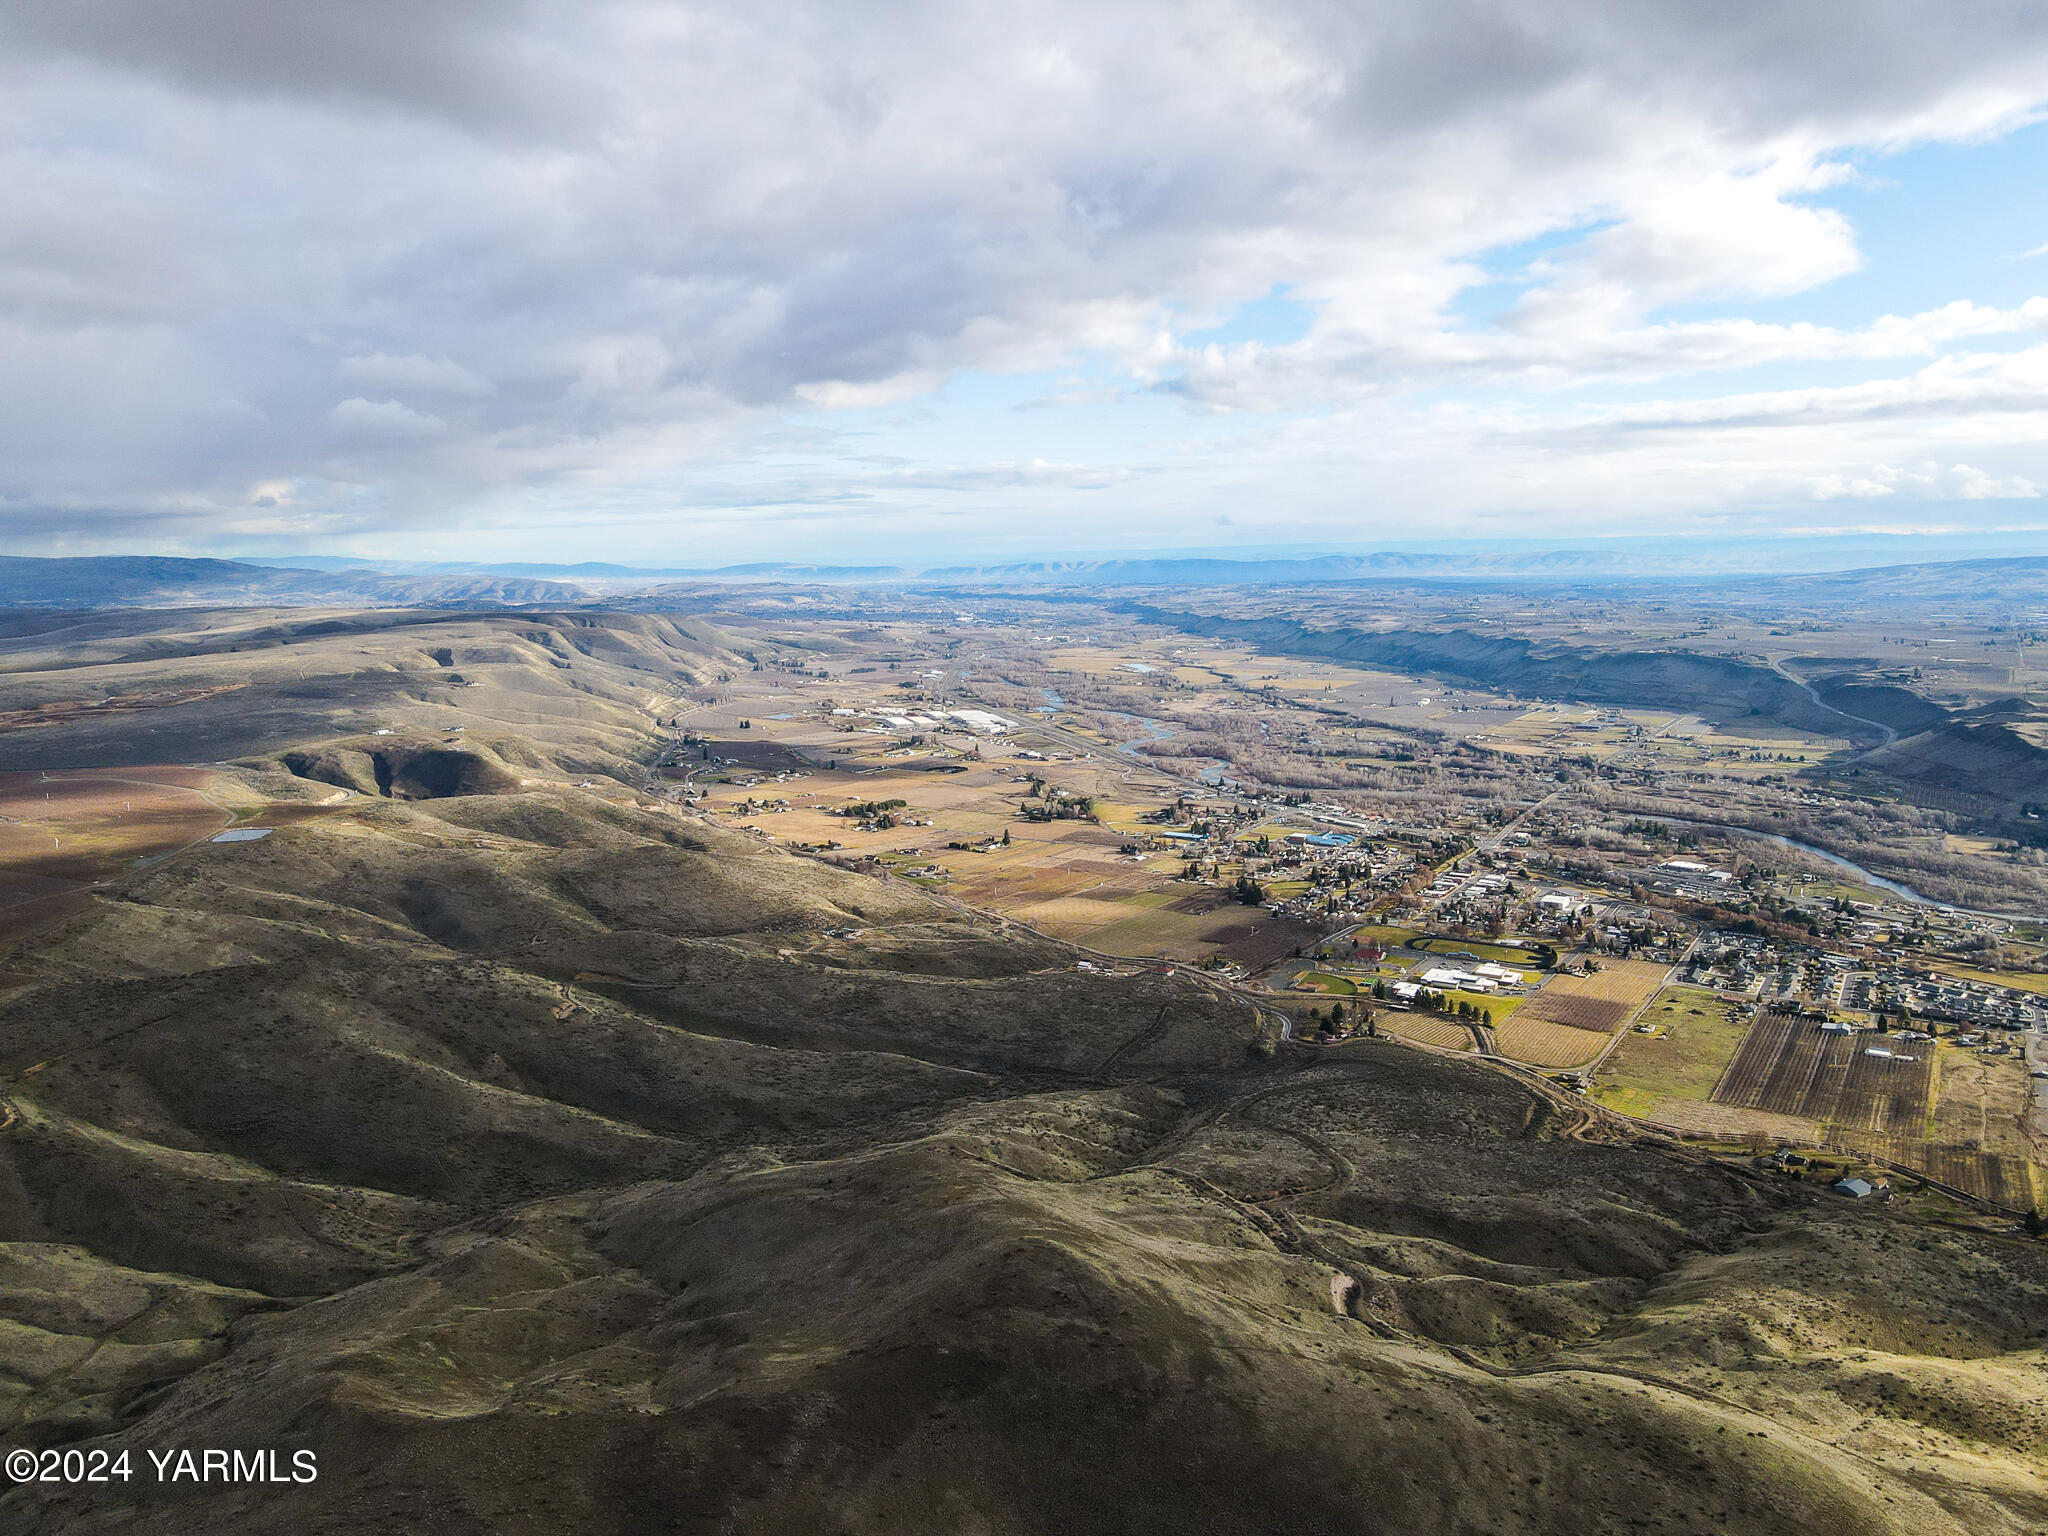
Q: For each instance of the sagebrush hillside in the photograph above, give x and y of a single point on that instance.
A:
(548, 1159)
(537, 1162)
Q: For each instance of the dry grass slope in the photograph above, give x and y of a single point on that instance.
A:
(546, 1166)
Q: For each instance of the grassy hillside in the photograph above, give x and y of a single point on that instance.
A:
(575, 691)
(544, 1165)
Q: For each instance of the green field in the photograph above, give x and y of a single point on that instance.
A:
(1323, 981)
(1383, 936)
(1693, 1043)
(1499, 954)
(2023, 981)
(1486, 1002)
(1386, 936)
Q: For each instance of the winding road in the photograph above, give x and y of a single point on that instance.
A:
(1890, 735)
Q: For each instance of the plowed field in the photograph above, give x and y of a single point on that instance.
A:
(1603, 1001)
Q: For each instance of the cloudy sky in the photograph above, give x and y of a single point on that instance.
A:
(683, 282)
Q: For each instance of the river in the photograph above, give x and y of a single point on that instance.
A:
(1906, 892)
(1848, 864)
(1160, 731)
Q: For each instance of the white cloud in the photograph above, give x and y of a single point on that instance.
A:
(2003, 392)
(571, 255)
(412, 375)
(1255, 377)
(1967, 483)
(385, 419)
(1929, 482)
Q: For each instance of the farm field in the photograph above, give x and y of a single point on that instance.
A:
(1193, 932)
(1065, 878)
(1724, 1122)
(1696, 1036)
(1544, 1043)
(1956, 1115)
(2013, 1182)
(1427, 1029)
(1788, 1066)
(1983, 1103)
(60, 832)
(1979, 1140)
(1485, 1002)
(1600, 1003)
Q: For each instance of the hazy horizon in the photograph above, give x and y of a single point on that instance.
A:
(1622, 554)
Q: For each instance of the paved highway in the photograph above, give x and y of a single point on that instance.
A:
(1778, 666)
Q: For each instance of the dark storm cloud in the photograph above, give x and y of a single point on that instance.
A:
(436, 56)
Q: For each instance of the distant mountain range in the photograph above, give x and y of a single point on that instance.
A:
(2022, 577)
(149, 581)
(132, 581)
(1604, 567)
(1127, 571)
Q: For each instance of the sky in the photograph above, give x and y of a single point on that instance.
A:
(699, 283)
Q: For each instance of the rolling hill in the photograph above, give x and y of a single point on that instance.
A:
(545, 1159)
(147, 581)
